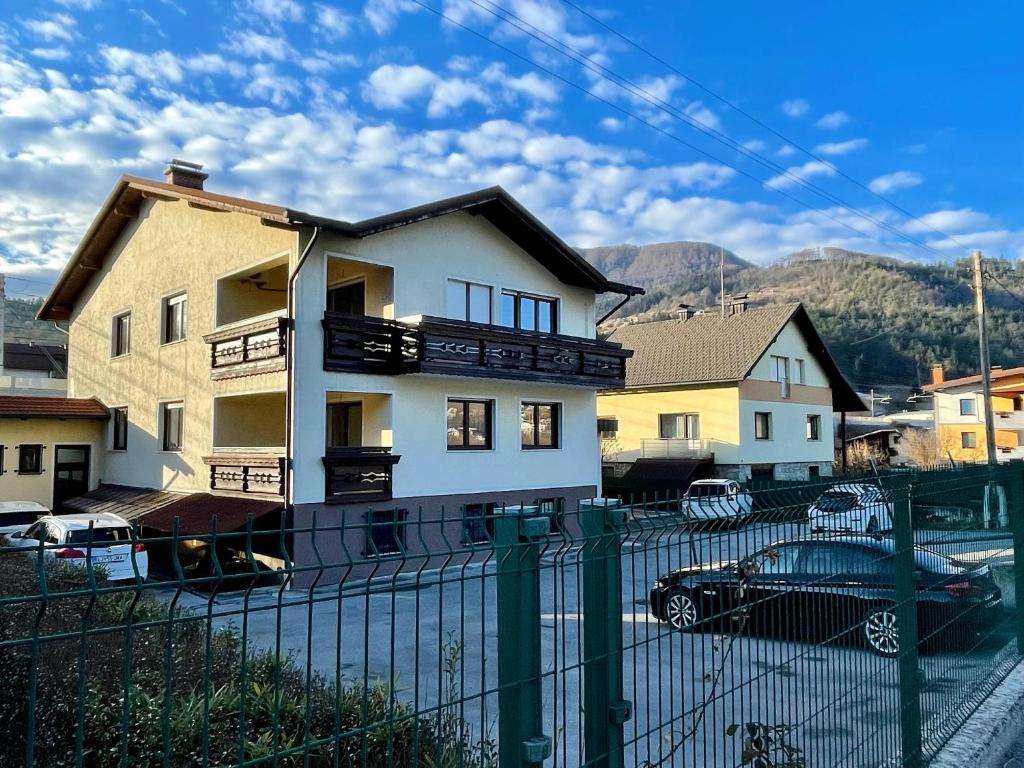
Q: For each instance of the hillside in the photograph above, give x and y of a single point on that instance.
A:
(20, 323)
(886, 321)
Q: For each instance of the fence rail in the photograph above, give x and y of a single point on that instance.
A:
(631, 633)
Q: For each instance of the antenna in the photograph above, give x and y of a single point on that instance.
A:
(721, 276)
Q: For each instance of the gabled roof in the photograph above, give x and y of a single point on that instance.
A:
(29, 407)
(963, 381)
(711, 349)
(493, 203)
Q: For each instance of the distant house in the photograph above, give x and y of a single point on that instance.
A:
(753, 393)
(888, 440)
(29, 368)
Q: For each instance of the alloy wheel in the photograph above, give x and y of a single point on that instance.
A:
(881, 632)
(681, 611)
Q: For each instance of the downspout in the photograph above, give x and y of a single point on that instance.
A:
(289, 399)
(629, 292)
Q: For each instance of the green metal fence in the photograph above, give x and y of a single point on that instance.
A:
(675, 630)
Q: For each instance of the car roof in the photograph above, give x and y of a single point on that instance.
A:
(853, 487)
(713, 481)
(81, 522)
(864, 540)
(22, 506)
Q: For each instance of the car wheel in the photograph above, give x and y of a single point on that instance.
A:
(681, 611)
(880, 631)
(872, 525)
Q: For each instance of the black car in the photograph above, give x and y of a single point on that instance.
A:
(835, 588)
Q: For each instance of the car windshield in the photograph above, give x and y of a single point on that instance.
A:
(836, 501)
(18, 518)
(98, 535)
(933, 562)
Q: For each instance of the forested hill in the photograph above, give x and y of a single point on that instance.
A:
(20, 323)
(886, 321)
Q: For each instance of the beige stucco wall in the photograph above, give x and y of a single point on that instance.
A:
(49, 433)
(170, 247)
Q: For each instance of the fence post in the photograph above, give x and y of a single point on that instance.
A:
(604, 710)
(1015, 509)
(906, 625)
(519, 535)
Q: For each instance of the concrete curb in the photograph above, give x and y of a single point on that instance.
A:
(983, 741)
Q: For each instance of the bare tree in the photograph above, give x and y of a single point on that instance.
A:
(919, 446)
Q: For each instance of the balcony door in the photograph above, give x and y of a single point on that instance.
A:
(344, 425)
(348, 297)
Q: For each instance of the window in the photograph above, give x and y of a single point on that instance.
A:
(120, 335)
(469, 424)
(30, 459)
(814, 427)
(968, 406)
(780, 368)
(175, 312)
(968, 440)
(172, 423)
(813, 472)
(469, 301)
(349, 297)
(540, 425)
(762, 425)
(529, 313)
(119, 429)
(555, 509)
(386, 534)
(800, 374)
(684, 426)
(344, 425)
(833, 560)
(478, 523)
(607, 427)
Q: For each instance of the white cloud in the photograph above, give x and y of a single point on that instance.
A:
(786, 150)
(166, 67)
(393, 86)
(612, 124)
(755, 145)
(893, 181)
(332, 22)
(277, 11)
(950, 220)
(383, 14)
(51, 54)
(255, 45)
(794, 107)
(797, 173)
(840, 147)
(81, 5)
(704, 116)
(56, 26)
(833, 120)
(917, 149)
(267, 84)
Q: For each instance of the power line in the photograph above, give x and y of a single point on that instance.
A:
(756, 121)
(1001, 284)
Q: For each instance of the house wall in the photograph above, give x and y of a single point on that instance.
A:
(49, 433)
(170, 247)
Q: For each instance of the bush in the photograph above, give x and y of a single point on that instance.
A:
(239, 706)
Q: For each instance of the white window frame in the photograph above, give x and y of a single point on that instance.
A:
(814, 418)
(468, 285)
(768, 421)
(163, 407)
(178, 297)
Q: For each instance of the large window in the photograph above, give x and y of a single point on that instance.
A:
(780, 368)
(175, 318)
(30, 459)
(386, 534)
(540, 425)
(529, 313)
(968, 407)
(469, 301)
(607, 427)
(120, 335)
(968, 440)
(763, 425)
(470, 425)
(119, 429)
(478, 523)
(172, 423)
(684, 426)
(344, 425)
(814, 427)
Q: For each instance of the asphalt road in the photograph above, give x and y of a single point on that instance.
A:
(434, 640)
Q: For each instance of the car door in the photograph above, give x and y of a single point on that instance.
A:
(769, 593)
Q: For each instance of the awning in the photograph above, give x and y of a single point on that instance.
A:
(159, 509)
(31, 407)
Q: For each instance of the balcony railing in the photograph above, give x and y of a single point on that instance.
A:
(245, 350)
(358, 474)
(458, 348)
(675, 448)
(260, 474)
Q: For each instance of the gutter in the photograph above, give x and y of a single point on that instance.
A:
(628, 292)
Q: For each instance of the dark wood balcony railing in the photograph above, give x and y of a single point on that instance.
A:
(244, 350)
(260, 474)
(458, 348)
(358, 474)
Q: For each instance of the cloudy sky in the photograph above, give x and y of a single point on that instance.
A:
(766, 127)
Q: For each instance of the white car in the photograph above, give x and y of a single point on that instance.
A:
(851, 507)
(107, 544)
(16, 516)
(720, 499)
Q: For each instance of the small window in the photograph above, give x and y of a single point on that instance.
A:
(469, 301)
(814, 427)
(968, 406)
(800, 374)
(470, 425)
(684, 426)
(386, 533)
(120, 335)
(762, 425)
(172, 425)
(608, 427)
(119, 429)
(555, 509)
(780, 368)
(349, 297)
(968, 440)
(539, 425)
(30, 459)
(478, 523)
(175, 318)
(529, 313)
(813, 472)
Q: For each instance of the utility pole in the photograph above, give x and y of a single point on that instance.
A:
(986, 367)
(721, 276)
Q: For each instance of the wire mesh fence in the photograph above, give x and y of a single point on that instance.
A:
(852, 621)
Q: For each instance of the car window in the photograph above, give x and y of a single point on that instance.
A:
(933, 562)
(98, 535)
(52, 535)
(18, 518)
(836, 501)
(783, 561)
(821, 559)
(34, 532)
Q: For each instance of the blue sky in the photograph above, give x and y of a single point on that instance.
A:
(354, 108)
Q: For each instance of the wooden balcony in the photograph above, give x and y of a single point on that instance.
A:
(355, 475)
(249, 349)
(258, 474)
(458, 348)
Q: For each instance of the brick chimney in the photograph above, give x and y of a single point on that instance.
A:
(185, 174)
(938, 376)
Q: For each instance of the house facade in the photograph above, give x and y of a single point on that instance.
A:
(751, 392)
(425, 360)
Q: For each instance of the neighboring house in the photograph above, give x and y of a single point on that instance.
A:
(436, 357)
(959, 413)
(896, 440)
(29, 368)
(753, 392)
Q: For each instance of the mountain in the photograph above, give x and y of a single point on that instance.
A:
(20, 323)
(885, 321)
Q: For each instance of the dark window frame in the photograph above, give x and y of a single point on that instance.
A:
(767, 422)
(517, 310)
(347, 408)
(814, 427)
(25, 450)
(468, 286)
(168, 324)
(968, 439)
(119, 431)
(489, 416)
(557, 519)
(121, 335)
(393, 528)
(607, 427)
(556, 427)
(480, 522)
(334, 290)
(972, 406)
(165, 409)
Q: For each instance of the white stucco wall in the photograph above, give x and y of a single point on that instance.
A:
(790, 343)
(789, 441)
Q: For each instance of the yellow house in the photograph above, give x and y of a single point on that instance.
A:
(752, 392)
(960, 415)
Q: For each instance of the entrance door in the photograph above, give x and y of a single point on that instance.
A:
(70, 473)
(348, 297)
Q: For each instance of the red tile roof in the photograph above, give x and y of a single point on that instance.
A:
(995, 375)
(18, 407)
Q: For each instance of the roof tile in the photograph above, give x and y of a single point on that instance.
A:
(25, 407)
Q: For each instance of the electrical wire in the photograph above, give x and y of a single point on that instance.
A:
(1001, 284)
